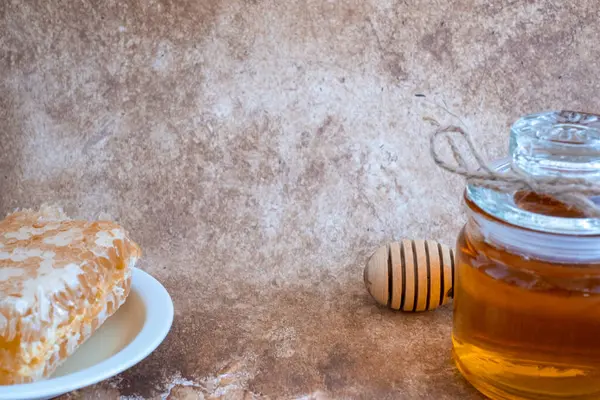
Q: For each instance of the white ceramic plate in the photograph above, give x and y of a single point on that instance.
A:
(126, 338)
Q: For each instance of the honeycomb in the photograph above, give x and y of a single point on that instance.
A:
(60, 279)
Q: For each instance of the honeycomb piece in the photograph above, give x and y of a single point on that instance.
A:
(60, 279)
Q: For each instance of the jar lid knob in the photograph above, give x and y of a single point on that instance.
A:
(557, 143)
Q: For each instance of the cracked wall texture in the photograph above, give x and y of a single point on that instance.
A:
(259, 151)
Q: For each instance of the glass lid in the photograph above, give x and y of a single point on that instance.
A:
(555, 143)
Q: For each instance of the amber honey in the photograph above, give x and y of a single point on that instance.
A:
(526, 322)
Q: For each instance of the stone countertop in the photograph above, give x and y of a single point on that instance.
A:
(259, 151)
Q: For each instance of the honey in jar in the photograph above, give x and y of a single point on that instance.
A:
(527, 285)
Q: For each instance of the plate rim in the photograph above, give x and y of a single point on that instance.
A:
(157, 324)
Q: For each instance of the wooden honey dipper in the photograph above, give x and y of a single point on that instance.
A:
(411, 275)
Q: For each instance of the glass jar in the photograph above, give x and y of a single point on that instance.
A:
(527, 292)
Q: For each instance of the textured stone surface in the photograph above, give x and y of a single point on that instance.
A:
(260, 150)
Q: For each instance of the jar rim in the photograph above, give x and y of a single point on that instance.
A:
(548, 246)
(503, 207)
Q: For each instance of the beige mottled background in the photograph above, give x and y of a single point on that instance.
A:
(260, 150)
